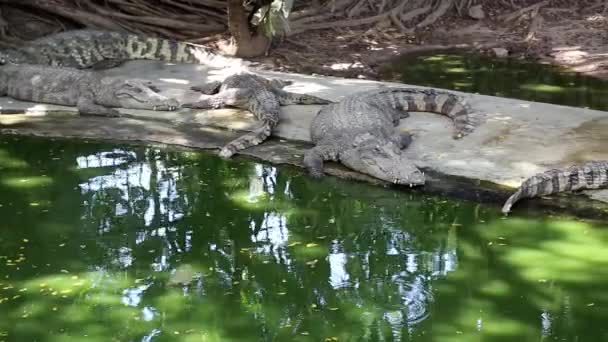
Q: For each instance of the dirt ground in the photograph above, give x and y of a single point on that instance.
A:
(568, 33)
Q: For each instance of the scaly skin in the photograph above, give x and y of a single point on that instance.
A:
(359, 131)
(261, 96)
(591, 175)
(88, 91)
(104, 49)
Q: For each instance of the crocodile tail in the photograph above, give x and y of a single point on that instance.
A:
(255, 137)
(440, 102)
(541, 184)
(506, 208)
(591, 175)
(141, 47)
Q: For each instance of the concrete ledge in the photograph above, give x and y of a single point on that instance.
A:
(515, 139)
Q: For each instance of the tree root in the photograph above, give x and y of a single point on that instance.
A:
(443, 7)
(537, 21)
(520, 12)
(406, 15)
(179, 19)
(194, 20)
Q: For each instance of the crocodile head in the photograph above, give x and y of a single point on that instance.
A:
(382, 160)
(139, 94)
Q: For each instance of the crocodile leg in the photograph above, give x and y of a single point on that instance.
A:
(313, 159)
(287, 98)
(207, 88)
(404, 139)
(255, 137)
(236, 97)
(86, 106)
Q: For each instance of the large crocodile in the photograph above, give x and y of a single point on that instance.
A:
(359, 131)
(591, 175)
(91, 93)
(88, 48)
(262, 97)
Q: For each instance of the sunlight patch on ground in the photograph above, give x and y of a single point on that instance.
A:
(570, 54)
(305, 87)
(38, 109)
(597, 18)
(174, 80)
(346, 66)
(526, 168)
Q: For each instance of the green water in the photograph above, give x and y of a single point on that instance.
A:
(114, 243)
(500, 77)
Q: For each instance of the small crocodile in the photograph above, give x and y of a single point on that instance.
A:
(359, 131)
(591, 175)
(91, 93)
(262, 97)
(97, 49)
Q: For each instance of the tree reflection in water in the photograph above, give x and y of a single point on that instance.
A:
(145, 244)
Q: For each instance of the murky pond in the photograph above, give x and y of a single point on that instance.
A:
(102, 242)
(500, 77)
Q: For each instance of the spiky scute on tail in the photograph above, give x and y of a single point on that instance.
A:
(591, 175)
(256, 137)
(431, 100)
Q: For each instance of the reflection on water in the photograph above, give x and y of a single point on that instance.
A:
(107, 243)
(500, 77)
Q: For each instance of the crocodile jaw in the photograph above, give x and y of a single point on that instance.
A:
(138, 95)
(389, 165)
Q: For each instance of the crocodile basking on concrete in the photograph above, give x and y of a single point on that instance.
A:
(91, 93)
(104, 49)
(261, 96)
(360, 132)
(588, 176)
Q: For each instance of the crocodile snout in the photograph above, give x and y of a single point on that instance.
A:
(168, 104)
(414, 178)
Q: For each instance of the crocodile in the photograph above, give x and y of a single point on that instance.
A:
(359, 131)
(91, 93)
(587, 176)
(87, 48)
(262, 97)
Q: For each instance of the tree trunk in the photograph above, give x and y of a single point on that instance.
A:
(244, 42)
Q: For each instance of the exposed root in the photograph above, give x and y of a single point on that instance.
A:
(406, 15)
(203, 21)
(520, 12)
(180, 19)
(534, 25)
(442, 9)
